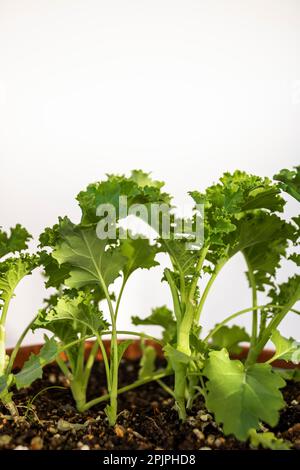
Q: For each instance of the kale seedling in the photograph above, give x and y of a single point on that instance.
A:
(242, 395)
(73, 318)
(12, 270)
(241, 215)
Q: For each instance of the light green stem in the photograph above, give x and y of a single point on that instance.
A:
(180, 389)
(120, 296)
(182, 289)
(12, 408)
(272, 326)
(166, 388)
(175, 297)
(198, 271)
(89, 364)
(180, 369)
(105, 360)
(80, 357)
(79, 394)
(207, 289)
(262, 324)
(241, 312)
(252, 282)
(3, 337)
(18, 345)
(64, 368)
(4, 311)
(184, 325)
(112, 411)
(141, 335)
(183, 341)
(2, 350)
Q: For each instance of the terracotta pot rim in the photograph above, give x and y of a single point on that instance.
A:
(133, 352)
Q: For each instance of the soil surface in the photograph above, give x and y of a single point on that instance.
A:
(146, 421)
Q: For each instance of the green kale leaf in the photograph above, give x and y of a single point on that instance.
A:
(241, 397)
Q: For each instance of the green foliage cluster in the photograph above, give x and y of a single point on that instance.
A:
(242, 214)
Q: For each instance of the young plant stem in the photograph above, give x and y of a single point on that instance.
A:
(80, 375)
(114, 361)
(252, 282)
(183, 346)
(17, 346)
(180, 302)
(198, 272)
(114, 368)
(183, 340)
(79, 378)
(180, 370)
(182, 290)
(77, 384)
(272, 326)
(11, 407)
(191, 315)
(32, 400)
(64, 368)
(207, 289)
(5, 367)
(2, 350)
(180, 389)
(104, 354)
(203, 388)
(184, 323)
(137, 383)
(65, 347)
(79, 393)
(262, 323)
(6, 397)
(80, 356)
(76, 390)
(176, 302)
(105, 360)
(140, 335)
(166, 388)
(120, 296)
(241, 312)
(62, 365)
(89, 364)
(3, 338)
(112, 410)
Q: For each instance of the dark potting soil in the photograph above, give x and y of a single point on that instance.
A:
(146, 418)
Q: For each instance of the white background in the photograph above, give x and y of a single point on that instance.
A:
(186, 89)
